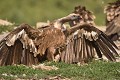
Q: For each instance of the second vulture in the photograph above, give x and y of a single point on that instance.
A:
(112, 11)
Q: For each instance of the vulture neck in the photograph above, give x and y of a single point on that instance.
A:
(59, 23)
(75, 28)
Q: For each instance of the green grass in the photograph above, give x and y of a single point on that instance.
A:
(32, 11)
(97, 70)
(6, 28)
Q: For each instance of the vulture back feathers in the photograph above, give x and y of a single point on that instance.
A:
(87, 41)
(112, 11)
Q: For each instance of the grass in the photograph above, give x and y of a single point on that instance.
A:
(96, 70)
(32, 11)
(6, 28)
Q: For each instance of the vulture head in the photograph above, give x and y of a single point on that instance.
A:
(59, 22)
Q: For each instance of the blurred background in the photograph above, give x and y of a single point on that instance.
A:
(33, 11)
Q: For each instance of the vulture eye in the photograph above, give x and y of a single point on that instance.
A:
(75, 17)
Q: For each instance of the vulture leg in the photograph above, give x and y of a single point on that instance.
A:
(50, 54)
(53, 54)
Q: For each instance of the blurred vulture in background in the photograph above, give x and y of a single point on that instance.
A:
(28, 46)
(112, 11)
(86, 16)
(87, 41)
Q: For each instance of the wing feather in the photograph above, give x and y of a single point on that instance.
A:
(16, 53)
(108, 39)
(88, 48)
(99, 54)
(105, 50)
(67, 53)
(71, 53)
(108, 44)
(91, 50)
(3, 52)
(18, 46)
(85, 50)
(81, 51)
(89, 42)
(78, 49)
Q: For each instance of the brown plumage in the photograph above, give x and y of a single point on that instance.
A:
(112, 11)
(28, 46)
(87, 41)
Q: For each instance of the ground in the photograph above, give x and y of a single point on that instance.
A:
(96, 70)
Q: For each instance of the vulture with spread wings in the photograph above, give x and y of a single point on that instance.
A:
(28, 46)
(112, 11)
(87, 41)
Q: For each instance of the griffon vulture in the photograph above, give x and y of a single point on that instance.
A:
(87, 41)
(112, 11)
(28, 46)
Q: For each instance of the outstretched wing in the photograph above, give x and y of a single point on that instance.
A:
(88, 41)
(112, 18)
(18, 46)
(85, 43)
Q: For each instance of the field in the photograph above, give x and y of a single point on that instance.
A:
(32, 11)
(97, 70)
